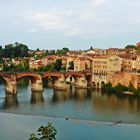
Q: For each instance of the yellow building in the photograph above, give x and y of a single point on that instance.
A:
(102, 65)
(113, 63)
(129, 63)
(82, 64)
(79, 64)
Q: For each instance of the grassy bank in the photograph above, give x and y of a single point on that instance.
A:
(120, 88)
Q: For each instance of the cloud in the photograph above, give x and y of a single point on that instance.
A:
(75, 21)
(98, 3)
(32, 30)
(63, 22)
(48, 20)
(74, 32)
(16, 23)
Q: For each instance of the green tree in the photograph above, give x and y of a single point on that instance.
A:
(37, 49)
(130, 47)
(138, 50)
(22, 49)
(63, 68)
(8, 51)
(91, 48)
(26, 65)
(120, 88)
(49, 67)
(107, 87)
(131, 88)
(133, 47)
(5, 67)
(47, 132)
(1, 54)
(71, 65)
(137, 91)
(58, 65)
(16, 50)
(63, 51)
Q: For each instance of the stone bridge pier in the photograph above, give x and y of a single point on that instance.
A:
(60, 83)
(11, 84)
(80, 82)
(89, 81)
(37, 85)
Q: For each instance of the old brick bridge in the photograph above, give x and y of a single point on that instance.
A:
(82, 79)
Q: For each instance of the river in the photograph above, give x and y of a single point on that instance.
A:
(91, 114)
(83, 104)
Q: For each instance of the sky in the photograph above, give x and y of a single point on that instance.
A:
(76, 24)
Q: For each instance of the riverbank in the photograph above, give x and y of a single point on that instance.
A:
(19, 127)
(119, 88)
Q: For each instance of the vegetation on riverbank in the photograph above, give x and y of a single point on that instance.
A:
(47, 132)
(120, 88)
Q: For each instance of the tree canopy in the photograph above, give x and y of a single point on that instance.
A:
(137, 48)
(130, 47)
(14, 50)
(58, 65)
(47, 132)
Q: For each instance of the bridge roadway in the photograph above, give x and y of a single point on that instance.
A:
(81, 79)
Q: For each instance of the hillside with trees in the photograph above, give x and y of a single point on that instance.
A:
(14, 50)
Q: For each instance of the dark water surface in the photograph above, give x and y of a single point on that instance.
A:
(81, 104)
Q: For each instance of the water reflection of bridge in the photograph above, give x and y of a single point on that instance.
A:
(98, 101)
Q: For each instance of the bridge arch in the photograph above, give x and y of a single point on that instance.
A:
(80, 80)
(36, 80)
(94, 85)
(57, 79)
(49, 78)
(102, 84)
(5, 77)
(33, 76)
(73, 74)
(72, 77)
(51, 74)
(98, 84)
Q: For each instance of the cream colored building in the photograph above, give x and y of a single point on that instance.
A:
(103, 65)
(129, 63)
(79, 64)
(113, 63)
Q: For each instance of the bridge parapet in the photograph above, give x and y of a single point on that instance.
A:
(52, 74)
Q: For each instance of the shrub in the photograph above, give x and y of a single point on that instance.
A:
(47, 132)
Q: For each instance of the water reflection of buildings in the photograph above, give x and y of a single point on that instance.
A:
(100, 101)
(36, 97)
(115, 102)
(71, 93)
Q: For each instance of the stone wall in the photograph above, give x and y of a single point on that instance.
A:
(123, 78)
